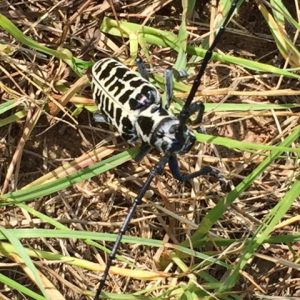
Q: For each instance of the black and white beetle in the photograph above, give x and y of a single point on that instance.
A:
(133, 105)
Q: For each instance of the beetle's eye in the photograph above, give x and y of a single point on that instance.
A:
(151, 95)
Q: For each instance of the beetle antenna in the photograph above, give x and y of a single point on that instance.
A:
(184, 114)
(158, 168)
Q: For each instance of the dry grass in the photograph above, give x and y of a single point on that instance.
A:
(49, 135)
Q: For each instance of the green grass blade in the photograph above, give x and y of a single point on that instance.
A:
(81, 263)
(182, 37)
(247, 146)
(13, 118)
(216, 213)
(84, 235)
(168, 39)
(245, 63)
(110, 237)
(78, 65)
(60, 184)
(262, 233)
(279, 7)
(8, 105)
(281, 37)
(21, 252)
(12, 29)
(218, 107)
(122, 296)
(20, 287)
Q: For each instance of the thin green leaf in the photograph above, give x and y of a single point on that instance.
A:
(168, 39)
(182, 37)
(85, 235)
(21, 252)
(262, 234)
(60, 184)
(283, 42)
(279, 7)
(216, 213)
(234, 144)
(19, 287)
(13, 118)
(8, 105)
(12, 29)
(78, 65)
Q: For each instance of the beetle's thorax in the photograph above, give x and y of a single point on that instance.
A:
(159, 128)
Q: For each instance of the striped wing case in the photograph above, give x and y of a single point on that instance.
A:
(121, 95)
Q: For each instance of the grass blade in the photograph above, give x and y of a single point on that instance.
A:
(57, 185)
(216, 213)
(262, 233)
(168, 39)
(19, 250)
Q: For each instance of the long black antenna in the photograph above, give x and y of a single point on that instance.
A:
(184, 114)
(156, 170)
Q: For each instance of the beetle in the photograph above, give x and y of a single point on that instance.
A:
(133, 106)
